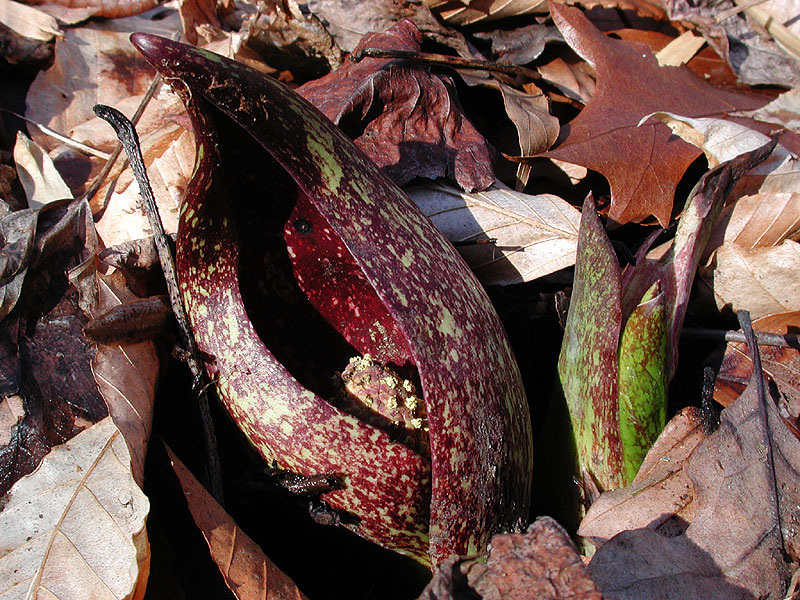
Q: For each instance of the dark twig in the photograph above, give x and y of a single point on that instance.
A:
(788, 340)
(455, 62)
(758, 373)
(130, 141)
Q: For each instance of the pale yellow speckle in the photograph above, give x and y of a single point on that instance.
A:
(286, 428)
(447, 324)
(408, 258)
(454, 355)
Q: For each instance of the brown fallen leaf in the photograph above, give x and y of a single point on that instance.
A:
(247, 571)
(661, 482)
(42, 339)
(126, 378)
(739, 540)
(781, 365)
(350, 20)
(27, 21)
(504, 236)
(761, 280)
(408, 121)
(642, 163)
(465, 12)
(37, 174)
(758, 221)
(75, 528)
(541, 563)
(96, 63)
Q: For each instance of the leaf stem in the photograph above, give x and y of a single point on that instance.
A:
(441, 59)
(130, 141)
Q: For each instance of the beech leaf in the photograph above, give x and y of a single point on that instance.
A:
(247, 571)
(408, 121)
(75, 528)
(761, 280)
(526, 236)
(722, 140)
(643, 164)
(37, 174)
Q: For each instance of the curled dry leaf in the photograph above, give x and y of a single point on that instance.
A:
(27, 21)
(504, 236)
(542, 562)
(247, 571)
(350, 20)
(42, 339)
(464, 12)
(75, 528)
(37, 174)
(419, 129)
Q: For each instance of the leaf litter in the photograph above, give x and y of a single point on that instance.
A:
(696, 519)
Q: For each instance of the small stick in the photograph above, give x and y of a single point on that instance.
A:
(441, 59)
(788, 340)
(130, 141)
(112, 158)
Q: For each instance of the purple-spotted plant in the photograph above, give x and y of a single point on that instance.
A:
(296, 255)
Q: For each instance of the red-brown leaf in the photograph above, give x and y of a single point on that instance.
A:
(408, 121)
(643, 164)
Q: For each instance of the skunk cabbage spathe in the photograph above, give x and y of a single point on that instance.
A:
(295, 254)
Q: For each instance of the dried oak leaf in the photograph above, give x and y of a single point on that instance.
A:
(408, 121)
(642, 164)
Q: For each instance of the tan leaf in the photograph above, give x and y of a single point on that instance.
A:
(758, 221)
(37, 173)
(722, 140)
(467, 12)
(761, 280)
(169, 155)
(783, 111)
(75, 527)
(744, 485)
(28, 21)
(246, 569)
(657, 497)
(533, 235)
(126, 377)
(537, 129)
